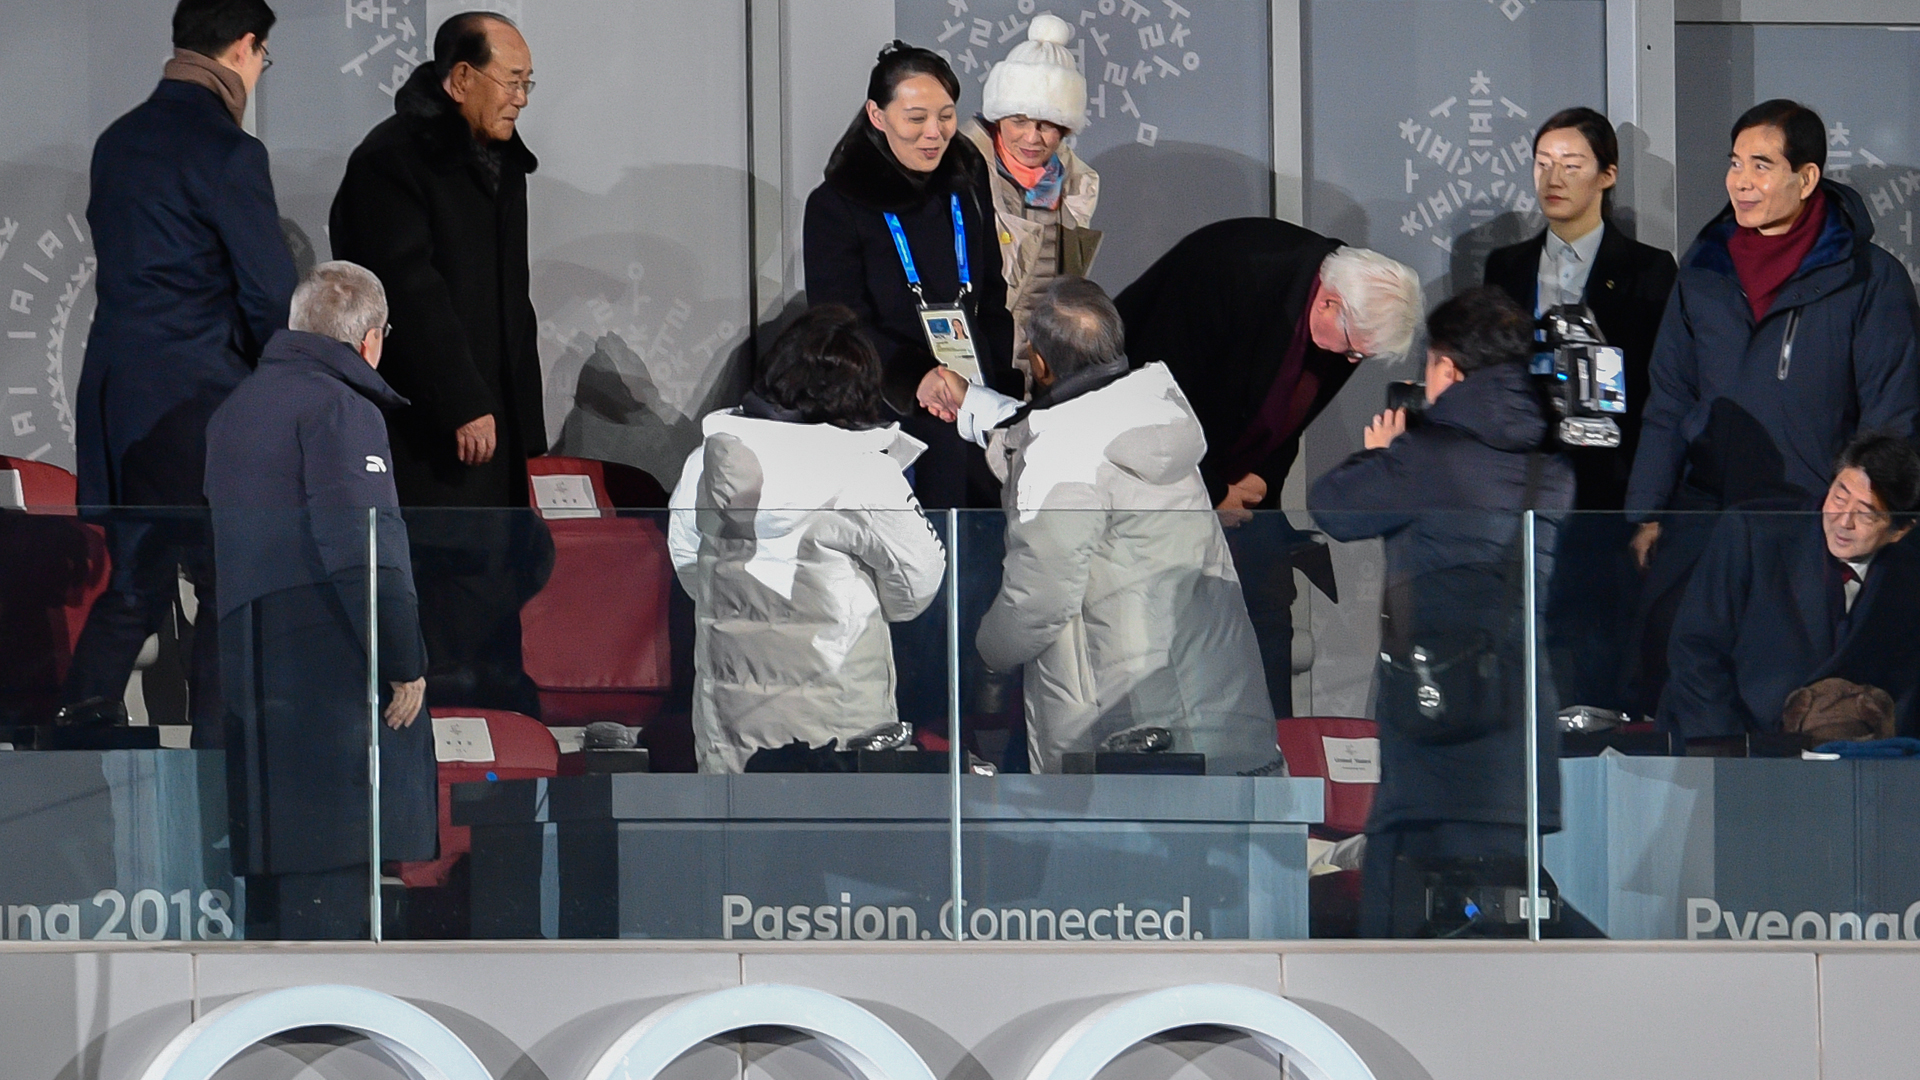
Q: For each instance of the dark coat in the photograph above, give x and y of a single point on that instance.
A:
(419, 209)
(1219, 310)
(1759, 623)
(297, 456)
(1448, 496)
(194, 277)
(1742, 410)
(1627, 292)
(851, 259)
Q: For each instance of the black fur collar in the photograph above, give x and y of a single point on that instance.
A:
(435, 115)
(864, 170)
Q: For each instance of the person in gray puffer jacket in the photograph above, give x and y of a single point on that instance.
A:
(795, 532)
(1118, 593)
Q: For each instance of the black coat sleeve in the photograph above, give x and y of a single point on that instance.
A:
(248, 220)
(1702, 696)
(835, 259)
(380, 219)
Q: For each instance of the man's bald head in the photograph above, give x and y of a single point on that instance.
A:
(1074, 326)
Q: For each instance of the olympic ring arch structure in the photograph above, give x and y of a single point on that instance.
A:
(872, 1049)
(1310, 1047)
(420, 1044)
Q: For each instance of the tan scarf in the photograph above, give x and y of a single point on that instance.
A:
(190, 67)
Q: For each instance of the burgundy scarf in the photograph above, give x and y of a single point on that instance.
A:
(1766, 263)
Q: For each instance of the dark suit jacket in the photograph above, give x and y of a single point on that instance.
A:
(1758, 624)
(1627, 292)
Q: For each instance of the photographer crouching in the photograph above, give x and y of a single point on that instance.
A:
(1447, 495)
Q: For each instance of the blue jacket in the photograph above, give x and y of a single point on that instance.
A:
(1759, 623)
(1742, 410)
(1447, 497)
(194, 277)
(296, 458)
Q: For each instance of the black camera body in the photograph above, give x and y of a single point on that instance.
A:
(1584, 377)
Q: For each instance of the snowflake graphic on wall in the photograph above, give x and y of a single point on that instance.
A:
(1470, 158)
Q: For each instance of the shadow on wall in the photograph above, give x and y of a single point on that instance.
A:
(1151, 197)
(634, 345)
(1467, 266)
(1657, 182)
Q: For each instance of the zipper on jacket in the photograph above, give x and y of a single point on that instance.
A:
(1786, 346)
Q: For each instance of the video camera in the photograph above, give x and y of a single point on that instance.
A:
(1585, 377)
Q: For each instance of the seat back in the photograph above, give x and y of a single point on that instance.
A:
(523, 749)
(595, 639)
(44, 488)
(50, 489)
(1346, 753)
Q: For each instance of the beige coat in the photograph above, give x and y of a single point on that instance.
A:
(1021, 239)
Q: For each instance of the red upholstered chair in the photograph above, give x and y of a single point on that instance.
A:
(51, 490)
(1302, 739)
(595, 639)
(1333, 900)
(523, 749)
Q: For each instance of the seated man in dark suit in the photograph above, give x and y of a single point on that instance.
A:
(1783, 600)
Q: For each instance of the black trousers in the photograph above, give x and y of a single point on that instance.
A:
(151, 549)
(1392, 891)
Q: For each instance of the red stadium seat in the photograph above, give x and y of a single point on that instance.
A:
(1333, 900)
(1301, 739)
(51, 490)
(595, 638)
(523, 749)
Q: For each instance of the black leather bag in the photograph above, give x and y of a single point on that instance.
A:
(1444, 680)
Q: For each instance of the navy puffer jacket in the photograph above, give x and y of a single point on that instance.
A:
(1741, 409)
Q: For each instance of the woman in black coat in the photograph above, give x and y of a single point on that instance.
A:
(900, 157)
(1581, 257)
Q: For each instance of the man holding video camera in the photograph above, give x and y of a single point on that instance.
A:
(1447, 495)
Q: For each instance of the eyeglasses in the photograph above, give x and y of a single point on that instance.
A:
(1351, 353)
(522, 87)
(386, 331)
(266, 59)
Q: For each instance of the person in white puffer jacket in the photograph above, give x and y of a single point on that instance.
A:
(795, 532)
(1118, 593)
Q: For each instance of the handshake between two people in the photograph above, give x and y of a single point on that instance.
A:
(941, 392)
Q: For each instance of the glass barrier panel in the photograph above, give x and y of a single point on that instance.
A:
(704, 723)
(184, 699)
(1188, 723)
(1755, 791)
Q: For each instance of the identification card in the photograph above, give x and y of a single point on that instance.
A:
(950, 338)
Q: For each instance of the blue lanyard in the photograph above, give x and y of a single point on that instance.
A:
(959, 250)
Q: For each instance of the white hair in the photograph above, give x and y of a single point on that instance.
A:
(1380, 299)
(340, 300)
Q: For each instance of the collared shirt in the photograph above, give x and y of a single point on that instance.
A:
(1564, 269)
(1850, 590)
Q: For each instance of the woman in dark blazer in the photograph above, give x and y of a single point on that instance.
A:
(900, 157)
(1581, 257)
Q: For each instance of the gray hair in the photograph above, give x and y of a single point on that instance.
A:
(1074, 326)
(340, 300)
(1380, 299)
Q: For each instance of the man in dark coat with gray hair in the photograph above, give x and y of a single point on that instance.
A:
(434, 202)
(297, 464)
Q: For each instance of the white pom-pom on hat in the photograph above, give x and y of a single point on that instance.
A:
(1038, 78)
(1050, 29)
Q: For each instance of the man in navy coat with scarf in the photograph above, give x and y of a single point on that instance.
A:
(194, 278)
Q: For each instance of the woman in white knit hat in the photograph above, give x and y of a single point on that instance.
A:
(1043, 195)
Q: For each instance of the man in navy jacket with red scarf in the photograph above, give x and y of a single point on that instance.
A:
(1787, 333)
